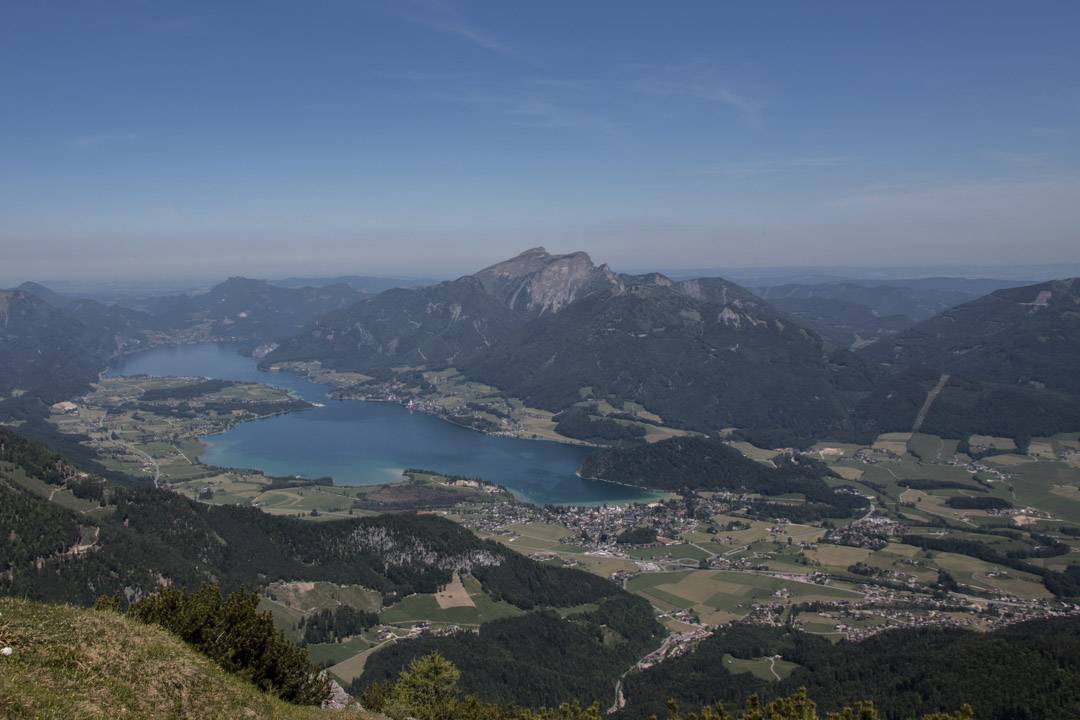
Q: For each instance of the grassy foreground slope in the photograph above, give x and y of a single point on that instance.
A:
(69, 662)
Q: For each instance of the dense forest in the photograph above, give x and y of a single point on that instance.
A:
(1023, 672)
(32, 529)
(701, 463)
(583, 423)
(1011, 356)
(965, 502)
(537, 659)
(186, 392)
(334, 625)
(430, 688)
(50, 353)
(144, 534)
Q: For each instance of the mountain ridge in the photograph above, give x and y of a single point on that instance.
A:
(541, 327)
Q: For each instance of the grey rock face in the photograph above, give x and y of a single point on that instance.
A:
(538, 282)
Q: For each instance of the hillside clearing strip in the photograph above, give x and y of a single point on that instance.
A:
(930, 397)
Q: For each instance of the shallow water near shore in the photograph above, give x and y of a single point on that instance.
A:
(359, 442)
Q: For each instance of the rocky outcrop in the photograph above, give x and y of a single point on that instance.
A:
(538, 282)
(338, 699)
(400, 550)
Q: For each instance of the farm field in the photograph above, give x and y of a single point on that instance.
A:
(327, 654)
(479, 608)
(764, 668)
(308, 597)
(758, 530)
(352, 667)
(832, 627)
(149, 426)
(674, 552)
(722, 595)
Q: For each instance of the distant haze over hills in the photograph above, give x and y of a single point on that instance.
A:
(1028, 336)
(783, 363)
(363, 283)
(893, 275)
(554, 329)
(758, 275)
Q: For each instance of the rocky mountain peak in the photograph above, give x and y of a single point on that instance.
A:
(538, 282)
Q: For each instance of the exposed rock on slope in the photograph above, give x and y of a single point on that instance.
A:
(537, 282)
(554, 329)
(704, 354)
(450, 322)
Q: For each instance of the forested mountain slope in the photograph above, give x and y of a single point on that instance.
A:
(1019, 336)
(914, 303)
(552, 329)
(1026, 671)
(539, 659)
(702, 354)
(449, 322)
(250, 311)
(52, 353)
(1006, 363)
(841, 322)
(702, 463)
(112, 540)
(131, 540)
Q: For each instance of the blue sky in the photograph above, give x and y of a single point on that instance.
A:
(327, 136)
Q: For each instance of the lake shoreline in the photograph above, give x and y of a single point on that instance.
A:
(355, 440)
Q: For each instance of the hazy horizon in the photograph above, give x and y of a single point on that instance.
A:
(434, 137)
(749, 275)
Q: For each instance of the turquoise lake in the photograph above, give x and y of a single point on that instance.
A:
(366, 443)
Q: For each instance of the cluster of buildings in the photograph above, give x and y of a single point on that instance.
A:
(872, 532)
(673, 646)
(884, 609)
(596, 528)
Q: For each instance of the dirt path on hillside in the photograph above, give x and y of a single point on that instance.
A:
(930, 398)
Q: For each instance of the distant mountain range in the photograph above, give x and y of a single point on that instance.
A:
(704, 354)
(555, 329)
(1018, 336)
(449, 322)
(249, 311)
(364, 283)
(51, 346)
(559, 331)
(859, 312)
(1006, 364)
(883, 300)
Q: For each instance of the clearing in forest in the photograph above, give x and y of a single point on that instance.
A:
(454, 595)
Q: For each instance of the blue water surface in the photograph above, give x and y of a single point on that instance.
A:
(364, 443)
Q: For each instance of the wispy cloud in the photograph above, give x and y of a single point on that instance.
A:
(1016, 158)
(1046, 132)
(555, 103)
(775, 166)
(530, 109)
(702, 81)
(445, 18)
(90, 142)
(969, 201)
(537, 111)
